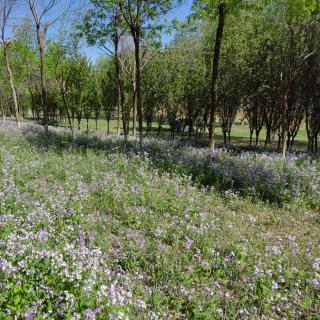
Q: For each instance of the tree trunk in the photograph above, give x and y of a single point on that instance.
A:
(160, 123)
(284, 125)
(138, 83)
(190, 127)
(14, 94)
(119, 85)
(257, 137)
(268, 136)
(41, 39)
(214, 85)
(251, 134)
(2, 109)
(135, 106)
(224, 136)
(67, 109)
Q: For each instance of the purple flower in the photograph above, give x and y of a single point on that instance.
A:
(315, 284)
(42, 235)
(89, 314)
(316, 265)
(189, 243)
(29, 315)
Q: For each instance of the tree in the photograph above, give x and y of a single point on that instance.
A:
(109, 93)
(100, 27)
(92, 96)
(288, 19)
(207, 9)
(40, 12)
(6, 7)
(141, 18)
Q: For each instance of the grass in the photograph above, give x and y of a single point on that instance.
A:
(104, 234)
(239, 134)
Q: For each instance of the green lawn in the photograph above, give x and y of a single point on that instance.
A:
(239, 134)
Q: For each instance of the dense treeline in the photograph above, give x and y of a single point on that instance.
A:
(256, 58)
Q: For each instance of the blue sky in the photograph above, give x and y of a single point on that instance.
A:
(180, 13)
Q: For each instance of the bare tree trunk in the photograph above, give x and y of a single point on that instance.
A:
(257, 137)
(2, 108)
(67, 109)
(224, 136)
(215, 68)
(41, 38)
(251, 134)
(79, 121)
(138, 84)
(119, 84)
(284, 125)
(268, 136)
(135, 105)
(14, 94)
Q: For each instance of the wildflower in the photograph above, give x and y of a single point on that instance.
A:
(274, 285)
(89, 314)
(188, 243)
(315, 283)
(42, 235)
(30, 314)
(316, 265)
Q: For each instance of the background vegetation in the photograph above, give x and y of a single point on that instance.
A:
(254, 61)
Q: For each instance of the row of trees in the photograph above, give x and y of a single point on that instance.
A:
(257, 58)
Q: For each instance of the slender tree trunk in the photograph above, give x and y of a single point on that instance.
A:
(41, 39)
(2, 108)
(251, 134)
(79, 121)
(119, 85)
(67, 109)
(108, 127)
(138, 83)
(190, 127)
(224, 136)
(160, 123)
(279, 141)
(135, 105)
(268, 136)
(284, 125)
(215, 68)
(14, 94)
(125, 125)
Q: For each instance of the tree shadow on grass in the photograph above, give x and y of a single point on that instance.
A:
(205, 167)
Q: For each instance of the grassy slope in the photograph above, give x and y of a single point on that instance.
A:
(183, 252)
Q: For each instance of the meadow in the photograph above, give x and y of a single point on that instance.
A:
(92, 228)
